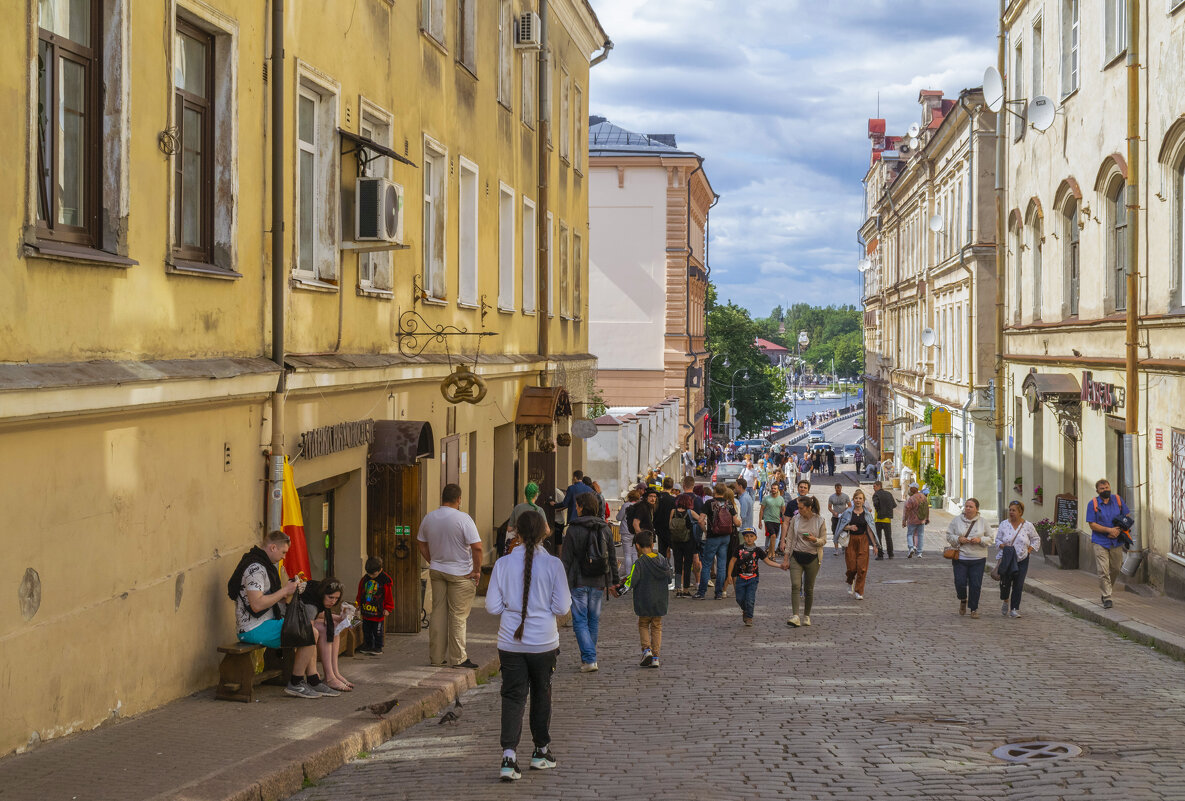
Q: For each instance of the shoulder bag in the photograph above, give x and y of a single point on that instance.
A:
(953, 552)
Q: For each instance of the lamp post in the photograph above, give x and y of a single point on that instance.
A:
(732, 394)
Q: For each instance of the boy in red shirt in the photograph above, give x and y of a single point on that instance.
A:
(375, 602)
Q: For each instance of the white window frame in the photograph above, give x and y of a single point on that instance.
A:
(530, 228)
(550, 264)
(224, 99)
(1037, 37)
(506, 243)
(434, 252)
(577, 284)
(1017, 79)
(1036, 244)
(1071, 47)
(1114, 31)
(376, 269)
(325, 92)
(505, 53)
(432, 19)
(530, 91)
(468, 232)
(565, 273)
(565, 120)
(1179, 215)
(467, 34)
(579, 141)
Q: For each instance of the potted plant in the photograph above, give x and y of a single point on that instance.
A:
(1044, 531)
(1065, 545)
(1018, 485)
(1038, 494)
(937, 486)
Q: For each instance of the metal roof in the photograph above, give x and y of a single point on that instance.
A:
(605, 138)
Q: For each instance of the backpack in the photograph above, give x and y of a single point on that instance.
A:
(594, 561)
(721, 519)
(680, 527)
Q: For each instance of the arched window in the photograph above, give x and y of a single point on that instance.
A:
(1179, 224)
(1117, 245)
(1072, 264)
(1015, 263)
(1036, 240)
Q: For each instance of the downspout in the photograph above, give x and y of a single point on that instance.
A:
(971, 117)
(543, 308)
(688, 423)
(278, 272)
(604, 54)
(1001, 283)
(1133, 273)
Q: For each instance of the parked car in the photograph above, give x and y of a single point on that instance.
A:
(726, 472)
(849, 452)
(858, 423)
(816, 435)
(821, 446)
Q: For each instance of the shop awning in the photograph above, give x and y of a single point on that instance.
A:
(916, 430)
(401, 442)
(540, 406)
(1058, 385)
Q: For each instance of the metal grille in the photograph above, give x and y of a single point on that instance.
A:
(1177, 482)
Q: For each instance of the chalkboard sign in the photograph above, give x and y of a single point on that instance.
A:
(1067, 510)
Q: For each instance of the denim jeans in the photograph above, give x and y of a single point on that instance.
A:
(915, 533)
(526, 675)
(746, 595)
(1012, 586)
(713, 548)
(969, 580)
(586, 618)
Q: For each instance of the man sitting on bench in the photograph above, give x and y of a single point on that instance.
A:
(259, 594)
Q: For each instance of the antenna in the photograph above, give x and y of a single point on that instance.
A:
(1041, 112)
(914, 130)
(993, 89)
(936, 224)
(928, 337)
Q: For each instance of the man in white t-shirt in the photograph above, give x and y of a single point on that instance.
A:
(451, 546)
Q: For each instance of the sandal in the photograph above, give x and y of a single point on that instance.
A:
(340, 687)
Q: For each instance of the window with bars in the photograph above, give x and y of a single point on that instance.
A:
(1177, 488)
(69, 131)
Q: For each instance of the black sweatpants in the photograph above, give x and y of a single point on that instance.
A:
(522, 675)
(884, 537)
(684, 557)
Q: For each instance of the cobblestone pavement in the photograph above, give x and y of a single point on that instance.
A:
(896, 696)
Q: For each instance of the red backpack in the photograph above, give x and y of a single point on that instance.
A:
(721, 518)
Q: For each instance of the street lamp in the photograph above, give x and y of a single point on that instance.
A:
(732, 396)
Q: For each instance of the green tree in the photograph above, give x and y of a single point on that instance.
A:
(738, 369)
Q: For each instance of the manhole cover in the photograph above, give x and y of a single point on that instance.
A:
(1035, 751)
(900, 581)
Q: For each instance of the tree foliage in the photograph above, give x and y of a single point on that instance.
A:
(740, 369)
(834, 332)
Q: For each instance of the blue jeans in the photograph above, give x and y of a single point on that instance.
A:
(746, 595)
(586, 618)
(914, 534)
(713, 548)
(969, 580)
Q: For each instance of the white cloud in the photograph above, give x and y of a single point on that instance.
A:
(775, 95)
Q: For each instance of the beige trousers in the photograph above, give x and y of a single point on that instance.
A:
(1107, 562)
(452, 596)
(650, 633)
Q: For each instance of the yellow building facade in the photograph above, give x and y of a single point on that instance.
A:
(136, 369)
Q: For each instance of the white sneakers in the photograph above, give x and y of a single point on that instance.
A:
(794, 621)
(851, 590)
(588, 667)
(858, 596)
(806, 621)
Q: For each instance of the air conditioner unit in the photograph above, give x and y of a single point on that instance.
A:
(378, 210)
(529, 33)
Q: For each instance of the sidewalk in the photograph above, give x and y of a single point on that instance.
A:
(199, 749)
(1155, 621)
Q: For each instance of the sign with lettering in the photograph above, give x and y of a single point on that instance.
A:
(1066, 510)
(940, 421)
(331, 439)
(1099, 394)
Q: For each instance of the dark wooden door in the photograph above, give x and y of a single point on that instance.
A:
(393, 521)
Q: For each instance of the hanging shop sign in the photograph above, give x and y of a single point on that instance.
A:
(331, 439)
(1099, 394)
(940, 420)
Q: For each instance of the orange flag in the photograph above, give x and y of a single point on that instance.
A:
(296, 562)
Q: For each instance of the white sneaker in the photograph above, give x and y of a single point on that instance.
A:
(588, 667)
(858, 596)
(794, 621)
(851, 590)
(806, 621)
(1014, 613)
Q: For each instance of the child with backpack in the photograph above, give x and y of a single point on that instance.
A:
(683, 543)
(742, 571)
(375, 602)
(648, 580)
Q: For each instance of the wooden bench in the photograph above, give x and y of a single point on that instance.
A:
(237, 678)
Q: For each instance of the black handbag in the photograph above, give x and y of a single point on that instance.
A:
(297, 629)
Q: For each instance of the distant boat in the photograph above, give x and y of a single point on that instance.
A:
(831, 396)
(810, 395)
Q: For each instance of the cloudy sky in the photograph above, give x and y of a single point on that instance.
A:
(776, 96)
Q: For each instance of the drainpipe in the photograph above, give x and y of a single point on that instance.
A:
(972, 117)
(543, 310)
(278, 271)
(689, 424)
(1001, 283)
(1133, 272)
(604, 54)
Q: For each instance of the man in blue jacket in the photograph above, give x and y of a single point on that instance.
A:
(1105, 536)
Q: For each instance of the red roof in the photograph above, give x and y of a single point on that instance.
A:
(767, 345)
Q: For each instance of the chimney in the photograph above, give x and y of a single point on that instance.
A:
(931, 101)
(663, 139)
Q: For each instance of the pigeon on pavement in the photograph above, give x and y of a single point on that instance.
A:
(453, 715)
(381, 709)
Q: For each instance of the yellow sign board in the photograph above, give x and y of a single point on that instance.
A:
(940, 421)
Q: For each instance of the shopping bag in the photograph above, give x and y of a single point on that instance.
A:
(297, 630)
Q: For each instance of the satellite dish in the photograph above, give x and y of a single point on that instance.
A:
(1041, 112)
(914, 130)
(993, 89)
(914, 142)
(936, 223)
(928, 338)
(863, 265)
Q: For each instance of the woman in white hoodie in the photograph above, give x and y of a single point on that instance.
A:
(1016, 538)
(528, 588)
(970, 534)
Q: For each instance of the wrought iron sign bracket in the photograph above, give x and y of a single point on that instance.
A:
(415, 333)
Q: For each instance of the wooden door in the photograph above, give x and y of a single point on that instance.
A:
(393, 521)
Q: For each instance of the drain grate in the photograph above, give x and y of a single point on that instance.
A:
(1036, 751)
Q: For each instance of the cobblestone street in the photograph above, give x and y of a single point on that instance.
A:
(896, 696)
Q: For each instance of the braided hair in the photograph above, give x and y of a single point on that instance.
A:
(530, 529)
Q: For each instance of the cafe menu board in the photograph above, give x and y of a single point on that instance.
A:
(1067, 510)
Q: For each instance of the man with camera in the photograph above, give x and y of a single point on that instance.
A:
(1110, 524)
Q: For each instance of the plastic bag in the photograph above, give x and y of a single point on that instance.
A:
(297, 630)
